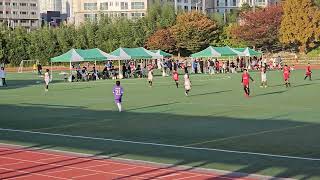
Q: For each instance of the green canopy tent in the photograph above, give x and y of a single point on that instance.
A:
(216, 52)
(161, 53)
(248, 52)
(135, 54)
(139, 53)
(80, 55)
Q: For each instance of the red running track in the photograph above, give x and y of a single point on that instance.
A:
(31, 164)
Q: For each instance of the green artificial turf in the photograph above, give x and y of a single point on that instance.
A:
(216, 115)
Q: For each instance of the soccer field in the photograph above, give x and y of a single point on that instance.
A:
(276, 132)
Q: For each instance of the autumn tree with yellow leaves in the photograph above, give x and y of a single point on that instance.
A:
(300, 24)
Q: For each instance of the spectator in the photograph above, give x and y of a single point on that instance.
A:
(3, 76)
(39, 67)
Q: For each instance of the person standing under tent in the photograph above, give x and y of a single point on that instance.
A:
(150, 77)
(263, 76)
(187, 83)
(286, 75)
(175, 77)
(118, 93)
(308, 72)
(47, 79)
(124, 71)
(246, 82)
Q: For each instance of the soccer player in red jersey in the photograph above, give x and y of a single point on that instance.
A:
(286, 75)
(245, 82)
(175, 77)
(308, 72)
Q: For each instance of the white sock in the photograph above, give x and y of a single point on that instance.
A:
(119, 107)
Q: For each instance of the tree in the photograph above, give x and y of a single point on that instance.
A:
(300, 24)
(66, 36)
(162, 39)
(193, 31)
(43, 44)
(259, 28)
(17, 46)
(226, 38)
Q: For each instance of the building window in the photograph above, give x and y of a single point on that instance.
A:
(8, 12)
(117, 4)
(137, 5)
(104, 6)
(111, 3)
(23, 4)
(124, 5)
(186, 1)
(15, 12)
(23, 21)
(186, 8)
(124, 14)
(1, 3)
(90, 17)
(179, 1)
(7, 3)
(90, 6)
(226, 2)
(33, 13)
(33, 5)
(234, 3)
(23, 12)
(14, 4)
(1, 12)
(218, 3)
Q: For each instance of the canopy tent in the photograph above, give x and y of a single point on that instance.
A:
(79, 55)
(135, 53)
(216, 52)
(97, 55)
(161, 53)
(248, 52)
(72, 55)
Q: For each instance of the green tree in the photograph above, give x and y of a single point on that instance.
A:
(300, 24)
(66, 37)
(193, 31)
(43, 44)
(17, 46)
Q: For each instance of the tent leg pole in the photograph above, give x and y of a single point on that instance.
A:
(51, 71)
(120, 76)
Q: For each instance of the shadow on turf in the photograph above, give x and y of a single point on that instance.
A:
(177, 130)
(270, 93)
(16, 84)
(208, 93)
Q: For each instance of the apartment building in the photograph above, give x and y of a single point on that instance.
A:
(222, 6)
(23, 13)
(91, 9)
(55, 12)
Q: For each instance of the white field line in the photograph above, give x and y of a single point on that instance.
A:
(164, 145)
(29, 174)
(249, 134)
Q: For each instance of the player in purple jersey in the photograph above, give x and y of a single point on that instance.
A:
(118, 92)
